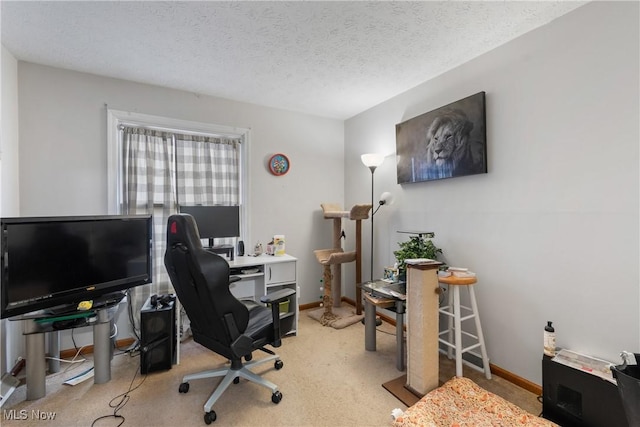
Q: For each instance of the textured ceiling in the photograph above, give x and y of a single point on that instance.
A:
(333, 59)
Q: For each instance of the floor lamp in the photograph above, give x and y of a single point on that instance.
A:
(372, 161)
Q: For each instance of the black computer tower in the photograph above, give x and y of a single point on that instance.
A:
(157, 334)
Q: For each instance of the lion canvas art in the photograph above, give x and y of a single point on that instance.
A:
(443, 143)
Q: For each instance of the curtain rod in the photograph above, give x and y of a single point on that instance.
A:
(180, 131)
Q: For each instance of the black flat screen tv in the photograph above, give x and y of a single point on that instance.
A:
(215, 221)
(53, 261)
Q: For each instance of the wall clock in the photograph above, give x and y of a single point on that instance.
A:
(279, 164)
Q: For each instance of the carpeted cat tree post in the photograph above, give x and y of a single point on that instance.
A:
(328, 258)
(332, 260)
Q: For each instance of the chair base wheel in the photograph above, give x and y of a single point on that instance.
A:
(278, 364)
(276, 397)
(210, 417)
(184, 387)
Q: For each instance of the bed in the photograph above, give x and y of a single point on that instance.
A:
(462, 403)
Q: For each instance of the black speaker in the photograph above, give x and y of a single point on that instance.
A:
(240, 248)
(157, 334)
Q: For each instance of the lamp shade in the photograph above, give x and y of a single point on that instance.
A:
(386, 198)
(372, 159)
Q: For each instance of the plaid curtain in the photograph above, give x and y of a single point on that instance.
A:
(208, 172)
(162, 170)
(147, 179)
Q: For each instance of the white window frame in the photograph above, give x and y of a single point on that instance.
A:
(117, 118)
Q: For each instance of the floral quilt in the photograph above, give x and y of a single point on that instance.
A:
(462, 403)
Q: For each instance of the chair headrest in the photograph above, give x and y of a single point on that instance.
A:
(182, 228)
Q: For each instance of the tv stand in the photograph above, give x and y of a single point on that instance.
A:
(35, 327)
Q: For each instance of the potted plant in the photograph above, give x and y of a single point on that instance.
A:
(418, 246)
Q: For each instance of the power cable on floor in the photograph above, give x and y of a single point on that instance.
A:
(119, 404)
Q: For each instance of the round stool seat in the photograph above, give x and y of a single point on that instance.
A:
(455, 280)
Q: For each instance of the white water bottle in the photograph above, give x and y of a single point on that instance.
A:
(549, 340)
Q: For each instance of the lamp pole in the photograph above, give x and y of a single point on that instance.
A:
(372, 161)
(373, 169)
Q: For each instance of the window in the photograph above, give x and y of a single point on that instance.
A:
(156, 164)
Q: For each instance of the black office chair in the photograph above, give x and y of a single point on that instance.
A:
(220, 322)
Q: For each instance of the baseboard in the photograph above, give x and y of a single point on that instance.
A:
(309, 306)
(316, 304)
(66, 354)
(348, 301)
(515, 379)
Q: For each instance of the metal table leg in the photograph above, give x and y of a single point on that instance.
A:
(102, 348)
(369, 326)
(54, 352)
(36, 365)
(399, 335)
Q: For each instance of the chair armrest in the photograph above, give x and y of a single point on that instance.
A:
(273, 299)
(277, 296)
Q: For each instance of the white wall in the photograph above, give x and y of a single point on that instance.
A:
(63, 164)
(11, 344)
(9, 198)
(552, 229)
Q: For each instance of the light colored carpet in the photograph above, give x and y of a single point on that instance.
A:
(328, 379)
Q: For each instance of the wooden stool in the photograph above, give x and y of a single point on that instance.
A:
(453, 311)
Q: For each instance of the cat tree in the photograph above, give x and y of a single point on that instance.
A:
(332, 259)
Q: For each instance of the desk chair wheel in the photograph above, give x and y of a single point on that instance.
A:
(276, 397)
(278, 364)
(184, 387)
(210, 417)
(236, 380)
